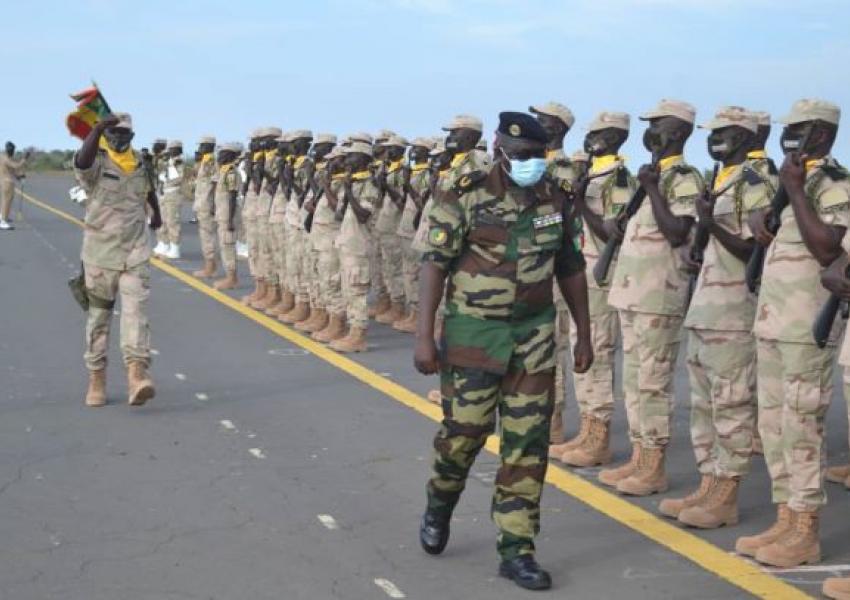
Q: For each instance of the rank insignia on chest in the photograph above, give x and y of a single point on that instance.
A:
(547, 220)
(438, 237)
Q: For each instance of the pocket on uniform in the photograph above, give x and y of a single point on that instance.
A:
(805, 394)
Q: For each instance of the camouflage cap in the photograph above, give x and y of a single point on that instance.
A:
(464, 122)
(300, 134)
(336, 152)
(732, 116)
(255, 133)
(383, 135)
(230, 147)
(762, 118)
(283, 137)
(672, 108)
(580, 156)
(554, 109)
(609, 120)
(125, 121)
(271, 132)
(358, 147)
(159, 141)
(438, 149)
(325, 138)
(395, 140)
(173, 144)
(360, 136)
(422, 142)
(812, 109)
(206, 139)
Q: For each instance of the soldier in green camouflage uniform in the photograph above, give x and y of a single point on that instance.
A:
(115, 254)
(650, 290)
(794, 375)
(721, 349)
(606, 188)
(498, 237)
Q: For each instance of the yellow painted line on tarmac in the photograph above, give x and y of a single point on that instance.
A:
(731, 568)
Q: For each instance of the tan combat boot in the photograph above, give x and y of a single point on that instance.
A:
(800, 546)
(317, 321)
(355, 341)
(139, 384)
(407, 324)
(259, 283)
(96, 394)
(614, 475)
(558, 450)
(228, 282)
(594, 449)
(392, 315)
(271, 299)
(838, 474)
(718, 508)
(299, 312)
(334, 331)
(265, 290)
(748, 545)
(382, 305)
(671, 507)
(649, 477)
(287, 303)
(837, 588)
(208, 270)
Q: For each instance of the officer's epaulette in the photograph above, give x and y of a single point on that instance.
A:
(622, 177)
(835, 171)
(751, 176)
(468, 182)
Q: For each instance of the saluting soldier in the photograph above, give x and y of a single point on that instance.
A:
(116, 254)
(499, 237)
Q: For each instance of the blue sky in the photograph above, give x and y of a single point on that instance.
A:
(184, 69)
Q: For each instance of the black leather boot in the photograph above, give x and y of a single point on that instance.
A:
(526, 573)
(434, 532)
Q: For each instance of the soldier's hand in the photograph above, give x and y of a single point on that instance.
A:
(425, 357)
(834, 277)
(792, 173)
(758, 225)
(613, 230)
(689, 265)
(705, 209)
(583, 355)
(648, 176)
(310, 205)
(156, 220)
(106, 122)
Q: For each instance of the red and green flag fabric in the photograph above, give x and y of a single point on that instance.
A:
(91, 108)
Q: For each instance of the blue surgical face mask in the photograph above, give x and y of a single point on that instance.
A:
(526, 173)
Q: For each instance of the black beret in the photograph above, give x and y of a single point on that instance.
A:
(521, 126)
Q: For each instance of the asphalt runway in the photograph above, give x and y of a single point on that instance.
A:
(264, 470)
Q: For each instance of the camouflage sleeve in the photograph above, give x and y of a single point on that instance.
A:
(447, 229)
(834, 203)
(369, 196)
(569, 260)
(683, 194)
(753, 197)
(88, 177)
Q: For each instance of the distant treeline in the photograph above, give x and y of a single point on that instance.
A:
(49, 160)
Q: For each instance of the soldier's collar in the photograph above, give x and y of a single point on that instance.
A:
(756, 154)
(724, 174)
(670, 161)
(555, 154)
(458, 158)
(600, 164)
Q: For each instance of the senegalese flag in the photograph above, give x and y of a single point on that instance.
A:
(91, 108)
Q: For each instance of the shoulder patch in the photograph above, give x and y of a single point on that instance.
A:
(468, 182)
(439, 236)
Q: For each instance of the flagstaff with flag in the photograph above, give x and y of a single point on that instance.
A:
(91, 108)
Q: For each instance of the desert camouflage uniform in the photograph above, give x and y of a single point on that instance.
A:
(309, 256)
(227, 181)
(262, 210)
(411, 257)
(175, 180)
(389, 252)
(116, 258)
(324, 234)
(204, 204)
(650, 289)
(794, 375)
(297, 283)
(353, 242)
(500, 248)
(249, 212)
(610, 189)
(10, 171)
(721, 353)
(277, 226)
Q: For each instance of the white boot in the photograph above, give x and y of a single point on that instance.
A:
(173, 251)
(5, 226)
(160, 248)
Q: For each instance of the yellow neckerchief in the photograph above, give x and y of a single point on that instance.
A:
(377, 163)
(814, 162)
(723, 175)
(205, 158)
(337, 176)
(756, 154)
(418, 167)
(257, 155)
(270, 155)
(458, 158)
(600, 163)
(361, 175)
(394, 166)
(126, 160)
(299, 160)
(225, 169)
(666, 163)
(442, 172)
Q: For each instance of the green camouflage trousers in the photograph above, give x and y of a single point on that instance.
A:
(650, 347)
(133, 286)
(722, 371)
(595, 388)
(471, 400)
(794, 390)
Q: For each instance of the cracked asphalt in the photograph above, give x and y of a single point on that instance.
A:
(261, 472)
